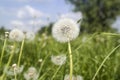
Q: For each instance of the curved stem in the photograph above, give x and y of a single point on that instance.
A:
(56, 72)
(71, 61)
(104, 61)
(3, 50)
(21, 49)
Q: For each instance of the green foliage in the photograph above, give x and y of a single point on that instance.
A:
(88, 52)
(98, 15)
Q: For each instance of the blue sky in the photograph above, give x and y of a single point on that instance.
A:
(21, 13)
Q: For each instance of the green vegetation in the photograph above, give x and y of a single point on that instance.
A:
(88, 50)
(98, 15)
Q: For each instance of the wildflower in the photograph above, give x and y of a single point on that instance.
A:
(78, 77)
(16, 35)
(30, 36)
(65, 30)
(31, 74)
(14, 70)
(58, 60)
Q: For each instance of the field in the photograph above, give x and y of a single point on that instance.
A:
(88, 50)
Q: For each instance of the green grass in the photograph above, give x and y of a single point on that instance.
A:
(88, 50)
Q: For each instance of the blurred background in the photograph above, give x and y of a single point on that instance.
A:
(39, 15)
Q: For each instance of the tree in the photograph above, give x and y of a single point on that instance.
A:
(98, 15)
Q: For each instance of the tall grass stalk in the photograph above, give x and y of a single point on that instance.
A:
(20, 54)
(56, 72)
(71, 61)
(8, 63)
(3, 50)
(104, 61)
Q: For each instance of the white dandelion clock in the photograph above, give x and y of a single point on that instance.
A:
(14, 70)
(16, 35)
(67, 77)
(78, 77)
(65, 30)
(30, 36)
(31, 74)
(58, 60)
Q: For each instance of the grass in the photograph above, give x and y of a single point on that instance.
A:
(88, 51)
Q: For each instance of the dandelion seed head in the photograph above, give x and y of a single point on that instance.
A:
(65, 30)
(16, 35)
(30, 36)
(14, 70)
(67, 77)
(58, 60)
(31, 74)
(78, 77)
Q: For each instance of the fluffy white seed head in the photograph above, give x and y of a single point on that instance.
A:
(78, 77)
(31, 74)
(30, 36)
(58, 60)
(16, 35)
(65, 30)
(67, 77)
(14, 70)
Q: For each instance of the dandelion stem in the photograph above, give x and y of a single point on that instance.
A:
(22, 45)
(8, 63)
(15, 75)
(71, 62)
(104, 61)
(3, 50)
(56, 72)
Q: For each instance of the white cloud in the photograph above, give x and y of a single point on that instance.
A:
(17, 23)
(116, 24)
(33, 0)
(30, 12)
(29, 25)
(74, 15)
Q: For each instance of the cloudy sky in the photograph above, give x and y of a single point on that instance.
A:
(30, 15)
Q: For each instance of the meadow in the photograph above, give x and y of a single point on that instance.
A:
(88, 50)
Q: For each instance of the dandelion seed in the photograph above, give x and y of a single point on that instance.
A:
(30, 36)
(31, 74)
(58, 60)
(65, 30)
(16, 35)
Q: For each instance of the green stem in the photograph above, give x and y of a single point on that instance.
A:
(3, 50)
(21, 49)
(104, 61)
(56, 72)
(42, 64)
(8, 63)
(71, 62)
(15, 75)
